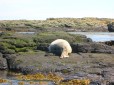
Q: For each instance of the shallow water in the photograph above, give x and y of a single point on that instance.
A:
(25, 32)
(12, 80)
(17, 82)
(97, 36)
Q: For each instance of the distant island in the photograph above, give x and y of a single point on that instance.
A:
(57, 24)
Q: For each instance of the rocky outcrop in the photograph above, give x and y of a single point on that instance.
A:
(92, 48)
(110, 43)
(111, 27)
(29, 70)
(12, 64)
(3, 64)
(43, 46)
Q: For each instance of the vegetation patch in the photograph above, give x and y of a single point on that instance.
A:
(58, 24)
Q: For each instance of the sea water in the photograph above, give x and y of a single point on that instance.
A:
(97, 36)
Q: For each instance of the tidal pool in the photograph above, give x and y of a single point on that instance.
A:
(10, 79)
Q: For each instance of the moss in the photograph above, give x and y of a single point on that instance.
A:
(11, 43)
(44, 39)
(7, 48)
(48, 37)
(4, 34)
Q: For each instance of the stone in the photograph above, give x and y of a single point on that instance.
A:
(92, 48)
(111, 27)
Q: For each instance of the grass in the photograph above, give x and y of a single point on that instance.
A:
(83, 24)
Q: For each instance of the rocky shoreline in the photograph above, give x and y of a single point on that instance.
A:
(59, 24)
(93, 61)
(89, 60)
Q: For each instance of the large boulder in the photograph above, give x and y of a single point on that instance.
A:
(10, 60)
(91, 48)
(111, 27)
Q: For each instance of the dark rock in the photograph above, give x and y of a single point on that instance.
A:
(10, 60)
(81, 74)
(43, 47)
(49, 54)
(110, 43)
(29, 70)
(111, 27)
(89, 40)
(9, 56)
(92, 48)
(111, 83)
(3, 64)
(95, 83)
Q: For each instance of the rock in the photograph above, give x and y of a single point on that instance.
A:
(89, 40)
(3, 64)
(111, 27)
(10, 59)
(29, 70)
(111, 83)
(81, 74)
(4, 50)
(110, 43)
(92, 48)
(43, 46)
(95, 83)
(14, 65)
(108, 74)
(9, 56)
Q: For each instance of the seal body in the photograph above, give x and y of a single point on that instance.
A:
(60, 47)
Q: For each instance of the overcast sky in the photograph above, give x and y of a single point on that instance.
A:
(42, 9)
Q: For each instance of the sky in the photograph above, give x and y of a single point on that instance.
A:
(42, 9)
